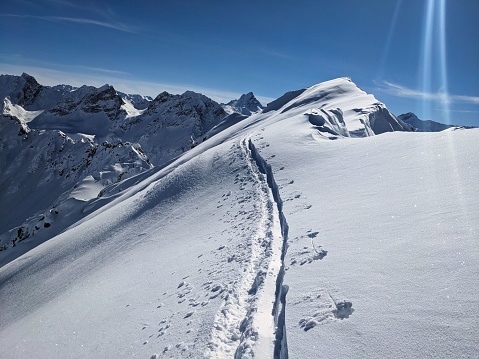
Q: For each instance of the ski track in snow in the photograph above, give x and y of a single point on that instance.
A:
(250, 322)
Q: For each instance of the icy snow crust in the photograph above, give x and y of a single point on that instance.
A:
(280, 236)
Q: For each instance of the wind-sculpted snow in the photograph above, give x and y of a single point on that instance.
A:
(329, 121)
(363, 115)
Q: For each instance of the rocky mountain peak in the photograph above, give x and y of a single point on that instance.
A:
(246, 105)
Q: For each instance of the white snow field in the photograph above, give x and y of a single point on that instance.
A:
(282, 236)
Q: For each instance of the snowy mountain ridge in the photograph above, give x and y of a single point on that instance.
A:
(110, 140)
(185, 232)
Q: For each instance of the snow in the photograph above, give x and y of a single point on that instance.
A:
(88, 189)
(281, 235)
(130, 110)
(396, 215)
(18, 111)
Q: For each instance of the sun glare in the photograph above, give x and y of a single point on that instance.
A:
(443, 59)
(434, 40)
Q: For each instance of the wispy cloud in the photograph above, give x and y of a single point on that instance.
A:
(99, 69)
(455, 111)
(402, 91)
(276, 54)
(111, 25)
(84, 75)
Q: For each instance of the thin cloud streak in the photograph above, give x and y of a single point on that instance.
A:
(276, 54)
(116, 26)
(402, 91)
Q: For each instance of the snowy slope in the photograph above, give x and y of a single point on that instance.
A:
(382, 254)
(267, 240)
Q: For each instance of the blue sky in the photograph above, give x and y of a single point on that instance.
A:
(413, 55)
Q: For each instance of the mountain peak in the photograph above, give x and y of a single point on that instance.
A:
(246, 105)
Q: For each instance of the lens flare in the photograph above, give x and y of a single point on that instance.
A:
(443, 60)
(433, 70)
(426, 58)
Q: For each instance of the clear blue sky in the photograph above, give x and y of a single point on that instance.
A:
(414, 55)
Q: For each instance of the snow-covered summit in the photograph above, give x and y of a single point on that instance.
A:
(246, 105)
(337, 105)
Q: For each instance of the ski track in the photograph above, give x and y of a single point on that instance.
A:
(250, 322)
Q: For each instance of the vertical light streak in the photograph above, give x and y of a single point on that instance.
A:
(427, 56)
(443, 59)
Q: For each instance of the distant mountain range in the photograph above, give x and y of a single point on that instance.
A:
(428, 125)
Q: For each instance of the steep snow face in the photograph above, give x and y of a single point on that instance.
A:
(138, 101)
(130, 109)
(246, 105)
(425, 126)
(18, 112)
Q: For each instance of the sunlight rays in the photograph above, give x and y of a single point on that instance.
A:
(433, 69)
(426, 55)
(443, 59)
(434, 38)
